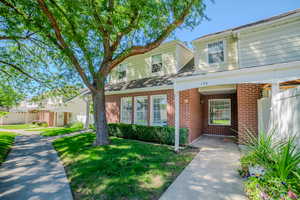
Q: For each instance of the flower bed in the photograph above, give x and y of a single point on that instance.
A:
(271, 168)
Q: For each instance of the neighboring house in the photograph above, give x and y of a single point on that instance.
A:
(53, 111)
(215, 88)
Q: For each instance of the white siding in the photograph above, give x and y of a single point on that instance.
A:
(276, 44)
(18, 118)
(288, 121)
(183, 56)
(174, 56)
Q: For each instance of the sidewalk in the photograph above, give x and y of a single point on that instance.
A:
(33, 171)
(212, 175)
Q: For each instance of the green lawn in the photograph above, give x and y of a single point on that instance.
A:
(57, 131)
(18, 126)
(6, 140)
(221, 122)
(126, 169)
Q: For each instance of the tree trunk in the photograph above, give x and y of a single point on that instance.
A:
(87, 117)
(100, 117)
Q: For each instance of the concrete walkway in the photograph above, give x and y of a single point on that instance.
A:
(212, 175)
(32, 171)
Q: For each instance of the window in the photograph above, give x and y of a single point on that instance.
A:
(156, 63)
(159, 110)
(141, 109)
(219, 112)
(215, 52)
(126, 110)
(121, 70)
(107, 79)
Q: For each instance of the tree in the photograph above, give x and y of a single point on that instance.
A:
(9, 97)
(94, 36)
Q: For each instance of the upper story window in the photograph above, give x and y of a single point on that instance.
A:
(107, 79)
(121, 70)
(215, 52)
(219, 112)
(156, 63)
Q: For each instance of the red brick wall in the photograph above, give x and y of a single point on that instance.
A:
(218, 129)
(113, 105)
(190, 109)
(196, 114)
(247, 96)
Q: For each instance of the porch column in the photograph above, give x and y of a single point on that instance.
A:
(177, 114)
(274, 110)
(87, 113)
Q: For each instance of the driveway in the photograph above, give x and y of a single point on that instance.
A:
(32, 171)
(212, 174)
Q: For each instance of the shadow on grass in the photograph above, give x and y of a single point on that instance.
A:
(6, 141)
(58, 131)
(125, 169)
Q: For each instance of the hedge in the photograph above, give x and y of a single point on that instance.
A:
(157, 134)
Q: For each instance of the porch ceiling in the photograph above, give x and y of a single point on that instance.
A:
(221, 89)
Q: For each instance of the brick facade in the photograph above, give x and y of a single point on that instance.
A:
(194, 110)
(189, 109)
(247, 96)
(113, 103)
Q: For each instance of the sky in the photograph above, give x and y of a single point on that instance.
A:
(225, 14)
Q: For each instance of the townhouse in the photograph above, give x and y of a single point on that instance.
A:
(212, 89)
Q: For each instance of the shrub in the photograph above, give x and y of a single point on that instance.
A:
(74, 125)
(286, 160)
(281, 161)
(157, 134)
(40, 123)
(261, 149)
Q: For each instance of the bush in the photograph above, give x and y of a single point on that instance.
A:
(157, 134)
(281, 163)
(40, 123)
(74, 125)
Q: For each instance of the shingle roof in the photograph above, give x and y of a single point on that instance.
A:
(153, 81)
(254, 23)
(141, 83)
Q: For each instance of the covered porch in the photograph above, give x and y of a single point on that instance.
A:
(238, 90)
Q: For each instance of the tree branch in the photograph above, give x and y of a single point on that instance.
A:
(8, 4)
(136, 50)
(133, 21)
(76, 37)
(19, 69)
(63, 44)
(3, 37)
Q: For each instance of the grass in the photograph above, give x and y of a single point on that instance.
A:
(18, 126)
(57, 131)
(125, 169)
(221, 122)
(6, 141)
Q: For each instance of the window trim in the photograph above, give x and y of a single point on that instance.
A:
(162, 63)
(118, 71)
(121, 110)
(224, 51)
(135, 109)
(230, 118)
(152, 108)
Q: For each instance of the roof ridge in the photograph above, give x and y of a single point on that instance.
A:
(273, 18)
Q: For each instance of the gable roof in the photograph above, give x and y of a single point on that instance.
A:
(270, 19)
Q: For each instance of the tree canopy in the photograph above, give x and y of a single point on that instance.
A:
(9, 97)
(91, 37)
